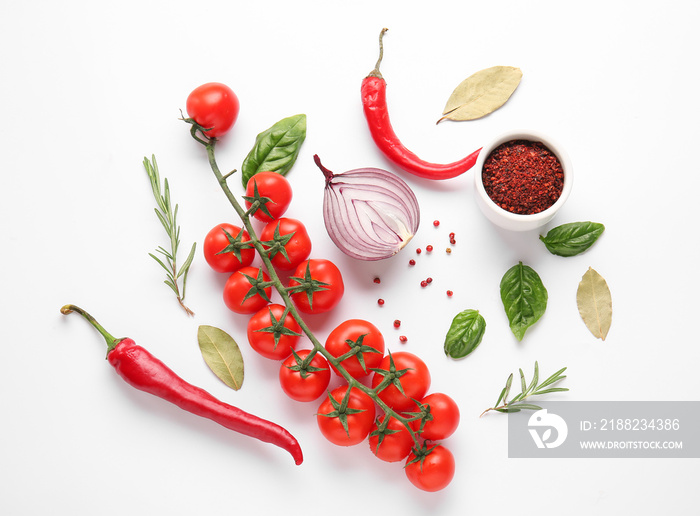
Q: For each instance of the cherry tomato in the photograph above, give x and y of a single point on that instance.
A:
(275, 187)
(443, 420)
(217, 240)
(273, 339)
(238, 286)
(214, 106)
(358, 416)
(432, 472)
(391, 444)
(364, 336)
(304, 384)
(326, 295)
(297, 246)
(414, 382)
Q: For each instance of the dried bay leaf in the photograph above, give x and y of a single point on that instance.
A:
(595, 303)
(222, 355)
(482, 93)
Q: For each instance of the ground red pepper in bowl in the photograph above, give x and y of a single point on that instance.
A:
(522, 179)
(523, 176)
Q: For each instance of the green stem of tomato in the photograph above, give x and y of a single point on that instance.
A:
(281, 289)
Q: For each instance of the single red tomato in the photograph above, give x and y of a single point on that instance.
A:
(273, 332)
(222, 248)
(391, 443)
(242, 291)
(317, 286)
(413, 375)
(432, 469)
(214, 106)
(350, 425)
(443, 417)
(303, 381)
(273, 186)
(290, 247)
(360, 335)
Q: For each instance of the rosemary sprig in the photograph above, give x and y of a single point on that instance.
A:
(168, 218)
(516, 404)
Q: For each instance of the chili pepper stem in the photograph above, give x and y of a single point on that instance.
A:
(376, 72)
(111, 341)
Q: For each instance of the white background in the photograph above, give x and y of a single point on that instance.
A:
(89, 89)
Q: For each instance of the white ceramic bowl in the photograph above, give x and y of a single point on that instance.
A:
(514, 221)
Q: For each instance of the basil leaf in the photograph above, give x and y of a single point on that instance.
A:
(276, 149)
(524, 298)
(465, 333)
(573, 238)
(222, 355)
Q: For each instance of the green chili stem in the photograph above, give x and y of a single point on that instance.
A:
(111, 341)
(281, 289)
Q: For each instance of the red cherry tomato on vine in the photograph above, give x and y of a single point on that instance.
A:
(305, 384)
(443, 420)
(414, 382)
(392, 444)
(297, 246)
(273, 339)
(323, 297)
(364, 336)
(433, 472)
(217, 240)
(239, 285)
(275, 187)
(213, 106)
(358, 421)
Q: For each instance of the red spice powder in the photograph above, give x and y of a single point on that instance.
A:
(523, 177)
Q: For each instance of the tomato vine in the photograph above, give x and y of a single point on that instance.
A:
(386, 378)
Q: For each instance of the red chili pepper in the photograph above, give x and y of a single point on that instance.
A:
(143, 371)
(377, 115)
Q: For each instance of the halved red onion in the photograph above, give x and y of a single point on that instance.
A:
(370, 213)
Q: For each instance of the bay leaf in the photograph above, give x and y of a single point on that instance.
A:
(482, 93)
(595, 303)
(524, 298)
(222, 355)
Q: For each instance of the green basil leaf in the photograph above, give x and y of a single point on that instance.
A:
(524, 298)
(465, 333)
(222, 355)
(276, 149)
(572, 238)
